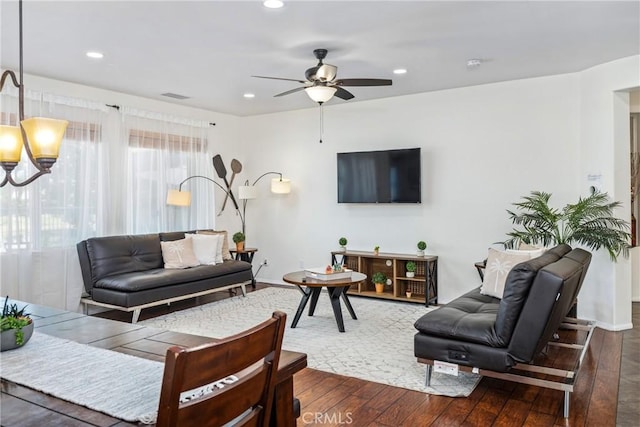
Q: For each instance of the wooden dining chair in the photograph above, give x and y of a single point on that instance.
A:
(230, 380)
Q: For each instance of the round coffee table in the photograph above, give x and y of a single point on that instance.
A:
(311, 288)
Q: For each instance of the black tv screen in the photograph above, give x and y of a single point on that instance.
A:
(389, 176)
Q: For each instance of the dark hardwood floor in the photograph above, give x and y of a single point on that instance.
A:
(334, 400)
(629, 390)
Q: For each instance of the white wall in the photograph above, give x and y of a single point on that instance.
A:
(604, 136)
(634, 106)
(482, 148)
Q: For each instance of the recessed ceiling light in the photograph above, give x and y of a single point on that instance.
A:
(249, 95)
(95, 55)
(400, 71)
(273, 4)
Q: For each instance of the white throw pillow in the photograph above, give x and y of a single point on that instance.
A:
(178, 254)
(499, 264)
(207, 247)
(226, 255)
(533, 253)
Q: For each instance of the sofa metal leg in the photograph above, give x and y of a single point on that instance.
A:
(136, 314)
(428, 379)
(567, 399)
(243, 289)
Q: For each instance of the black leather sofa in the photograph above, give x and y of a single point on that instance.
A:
(127, 273)
(486, 333)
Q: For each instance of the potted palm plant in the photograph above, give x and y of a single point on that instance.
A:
(16, 326)
(589, 222)
(379, 279)
(238, 239)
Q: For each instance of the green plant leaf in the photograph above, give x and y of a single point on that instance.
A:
(589, 222)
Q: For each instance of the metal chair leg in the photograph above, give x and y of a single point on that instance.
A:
(428, 379)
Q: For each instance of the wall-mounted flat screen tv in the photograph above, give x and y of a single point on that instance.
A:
(388, 176)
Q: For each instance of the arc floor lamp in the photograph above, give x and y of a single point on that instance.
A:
(245, 192)
(183, 198)
(41, 137)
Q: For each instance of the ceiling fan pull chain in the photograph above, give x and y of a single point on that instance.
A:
(321, 122)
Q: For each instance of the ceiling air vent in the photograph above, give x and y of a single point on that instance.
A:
(175, 95)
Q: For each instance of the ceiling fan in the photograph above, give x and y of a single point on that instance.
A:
(321, 84)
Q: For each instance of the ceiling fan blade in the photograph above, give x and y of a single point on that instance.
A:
(343, 93)
(363, 82)
(298, 89)
(280, 78)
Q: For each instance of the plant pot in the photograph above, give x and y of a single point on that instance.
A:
(420, 253)
(376, 252)
(343, 248)
(411, 274)
(408, 294)
(8, 337)
(379, 288)
(240, 246)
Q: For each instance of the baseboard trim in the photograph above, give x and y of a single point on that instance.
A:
(616, 327)
(277, 282)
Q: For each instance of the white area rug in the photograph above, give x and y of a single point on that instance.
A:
(120, 385)
(377, 347)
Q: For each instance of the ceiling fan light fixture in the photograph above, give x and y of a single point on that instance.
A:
(320, 94)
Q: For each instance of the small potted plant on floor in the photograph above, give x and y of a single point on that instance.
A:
(379, 279)
(421, 247)
(238, 239)
(16, 326)
(343, 243)
(410, 266)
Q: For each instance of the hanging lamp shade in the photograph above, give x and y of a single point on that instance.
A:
(179, 198)
(281, 185)
(10, 144)
(247, 192)
(44, 136)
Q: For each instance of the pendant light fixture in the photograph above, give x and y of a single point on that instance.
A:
(321, 94)
(40, 137)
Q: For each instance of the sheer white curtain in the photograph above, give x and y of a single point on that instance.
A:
(41, 223)
(112, 177)
(162, 151)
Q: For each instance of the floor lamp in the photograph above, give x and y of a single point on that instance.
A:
(183, 198)
(248, 191)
